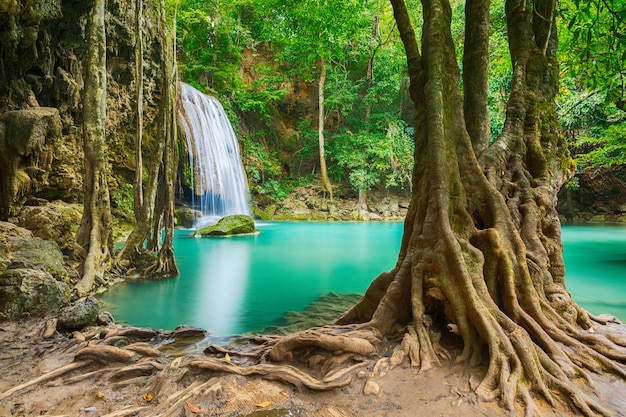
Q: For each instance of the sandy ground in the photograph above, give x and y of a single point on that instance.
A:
(110, 390)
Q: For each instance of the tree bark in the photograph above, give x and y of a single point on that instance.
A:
(145, 194)
(94, 233)
(476, 73)
(320, 129)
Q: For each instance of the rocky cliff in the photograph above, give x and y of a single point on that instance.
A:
(42, 48)
(41, 83)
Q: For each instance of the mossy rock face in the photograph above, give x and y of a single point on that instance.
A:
(238, 224)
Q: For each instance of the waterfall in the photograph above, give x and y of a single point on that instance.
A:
(219, 182)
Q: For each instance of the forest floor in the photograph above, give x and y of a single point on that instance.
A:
(111, 389)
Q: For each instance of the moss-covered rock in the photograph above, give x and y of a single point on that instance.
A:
(33, 277)
(237, 224)
(57, 221)
(31, 291)
(186, 216)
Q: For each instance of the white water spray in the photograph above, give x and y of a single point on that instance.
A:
(219, 182)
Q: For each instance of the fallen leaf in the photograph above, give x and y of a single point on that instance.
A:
(227, 357)
(148, 397)
(264, 404)
(193, 408)
(100, 395)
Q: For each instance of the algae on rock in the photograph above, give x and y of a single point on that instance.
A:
(237, 224)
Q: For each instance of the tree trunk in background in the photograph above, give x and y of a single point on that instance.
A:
(320, 129)
(145, 196)
(138, 183)
(166, 263)
(94, 233)
(481, 261)
(369, 75)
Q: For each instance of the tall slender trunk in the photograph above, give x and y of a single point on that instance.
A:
(369, 75)
(166, 263)
(94, 233)
(138, 182)
(320, 128)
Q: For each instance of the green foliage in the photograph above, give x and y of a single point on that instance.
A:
(370, 158)
(607, 147)
(122, 202)
(262, 94)
(593, 46)
(367, 144)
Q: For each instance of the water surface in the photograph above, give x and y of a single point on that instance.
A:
(595, 267)
(246, 283)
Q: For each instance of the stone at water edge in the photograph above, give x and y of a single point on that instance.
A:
(81, 314)
(237, 224)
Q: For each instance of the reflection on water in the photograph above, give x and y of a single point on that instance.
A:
(246, 283)
(221, 291)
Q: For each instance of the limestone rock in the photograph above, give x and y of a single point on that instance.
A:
(57, 221)
(186, 216)
(79, 315)
(19, 249)
(27, 139)
(32, 274)
(230, 225)
(31, 291)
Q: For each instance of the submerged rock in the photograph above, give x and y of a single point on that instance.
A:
(237, 224)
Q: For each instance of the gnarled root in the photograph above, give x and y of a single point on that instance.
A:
(284, 373)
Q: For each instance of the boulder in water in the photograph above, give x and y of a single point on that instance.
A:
(186, 216)
(238, 224)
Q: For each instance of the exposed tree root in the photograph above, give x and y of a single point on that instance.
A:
(46, 377)
(165, 265)
(362, 343)
(105, 354)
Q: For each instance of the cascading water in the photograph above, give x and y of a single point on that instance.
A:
(219, 181)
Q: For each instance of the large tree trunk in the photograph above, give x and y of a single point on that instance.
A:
(481, 256)
(94, 234)
(476, 73)
(320, 129)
